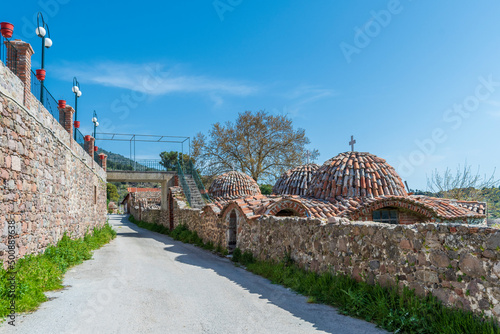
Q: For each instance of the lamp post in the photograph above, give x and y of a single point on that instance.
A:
(78, 93)
(43, 32)
(96, 123)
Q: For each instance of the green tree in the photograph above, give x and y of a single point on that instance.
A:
(463, 184)
(112, 193)
(266, 189)
(169, 159)
(259, 144)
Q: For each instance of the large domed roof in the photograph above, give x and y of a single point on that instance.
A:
(233, 185)
(355, 174)
(295, 181)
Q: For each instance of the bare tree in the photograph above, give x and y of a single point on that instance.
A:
(464, 184)
(259, 144)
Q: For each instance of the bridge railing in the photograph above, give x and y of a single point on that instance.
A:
(150, 165)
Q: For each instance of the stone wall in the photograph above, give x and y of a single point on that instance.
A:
(458, 264)
(148, 215)
(48, 184)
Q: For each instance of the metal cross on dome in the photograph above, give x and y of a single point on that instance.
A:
(308, 155)
(352, 142)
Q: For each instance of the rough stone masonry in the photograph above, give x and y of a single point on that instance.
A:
(48, 184)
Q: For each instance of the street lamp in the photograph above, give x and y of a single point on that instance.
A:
(43, 32)
(96, 123)
(78, 93)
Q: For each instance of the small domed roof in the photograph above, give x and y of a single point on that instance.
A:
(295, 181)
(355, 174)
(233, 185)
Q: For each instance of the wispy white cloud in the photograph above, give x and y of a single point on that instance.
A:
(299, 97)
(495, 113)
(155, 79)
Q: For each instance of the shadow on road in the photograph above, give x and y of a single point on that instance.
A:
(323, 317)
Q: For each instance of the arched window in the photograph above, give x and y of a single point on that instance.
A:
(287, 213)
(386, 215)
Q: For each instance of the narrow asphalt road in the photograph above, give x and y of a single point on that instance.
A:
(144, 282)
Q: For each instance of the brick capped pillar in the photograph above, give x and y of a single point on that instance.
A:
(104, 159)
(89, 147)
(66, 119)
(19, 62)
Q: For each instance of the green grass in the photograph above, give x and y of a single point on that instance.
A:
(180, 233)
(36, 274)
(396, 311)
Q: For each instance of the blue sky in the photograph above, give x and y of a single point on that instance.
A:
(415, 82)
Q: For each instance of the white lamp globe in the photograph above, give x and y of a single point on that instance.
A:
(75, 89)
(94, 119)
(48, 42)
(40, 31)
(79, 93)
(96, 123)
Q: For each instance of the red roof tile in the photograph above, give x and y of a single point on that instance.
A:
(233, 185)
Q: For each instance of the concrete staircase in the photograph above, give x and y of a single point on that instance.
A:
(197, 201)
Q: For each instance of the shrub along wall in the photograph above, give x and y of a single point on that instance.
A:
(458, 264)
(48, 184)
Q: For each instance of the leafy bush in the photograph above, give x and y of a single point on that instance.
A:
(236, 255)
(35, 274)
(400, 311)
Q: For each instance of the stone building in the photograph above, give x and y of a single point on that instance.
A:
(353, 185)
(233, 185)
(295, 181)
(356, 218)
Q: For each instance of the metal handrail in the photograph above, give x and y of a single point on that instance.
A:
(79, 138)
(184, 184)
(199, 183)
(49, 102)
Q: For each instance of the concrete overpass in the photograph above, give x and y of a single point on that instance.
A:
(165, 178)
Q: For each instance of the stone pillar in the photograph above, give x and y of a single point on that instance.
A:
(104, 159)
(66, 119)
(89, 147)
(164, 196)
(19, 62)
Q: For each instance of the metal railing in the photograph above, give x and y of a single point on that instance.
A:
(8, 54)
(190, 169)
(97, 159)
(182, 179)
(49, 102)
(79, 138)
(151, 165)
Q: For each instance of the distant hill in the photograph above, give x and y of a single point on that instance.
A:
(117, 161)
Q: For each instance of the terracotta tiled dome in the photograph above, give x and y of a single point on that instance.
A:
(233, 185)
(295, 181)
(355, 174)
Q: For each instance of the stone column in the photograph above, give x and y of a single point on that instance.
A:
(89, 147)
(19, 62)
(164, 196)
(66, 119)
(104, 159)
